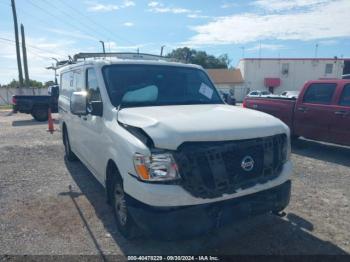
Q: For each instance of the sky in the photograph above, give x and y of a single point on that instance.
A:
(256, 28)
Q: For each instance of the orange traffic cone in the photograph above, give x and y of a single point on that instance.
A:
(51, 128)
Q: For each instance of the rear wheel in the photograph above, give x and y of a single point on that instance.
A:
(40, 114)
(70, 156)
(125, 222)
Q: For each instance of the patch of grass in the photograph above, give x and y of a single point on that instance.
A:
(5, 107)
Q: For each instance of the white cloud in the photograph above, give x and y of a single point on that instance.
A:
(328, 42)
(157, 7)
(278, 5)
(100, 7)
(272, 47)
(195, 16)
(73, 34)
(114, 47)
(153, 4)
(128, 3)
(329, 20)
(39, 52)
(128, 24)
(228, 5)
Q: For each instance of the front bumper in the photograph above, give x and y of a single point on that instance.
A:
(193, 220)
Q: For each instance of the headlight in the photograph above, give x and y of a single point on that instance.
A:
(156, 168)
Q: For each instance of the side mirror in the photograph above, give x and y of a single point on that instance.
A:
(78, 103)
(95, 108)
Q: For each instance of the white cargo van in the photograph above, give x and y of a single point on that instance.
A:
(171, 154)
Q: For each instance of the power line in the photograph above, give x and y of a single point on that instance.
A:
(87, 19)
(98, 25)
(68, 14)
(31, 47)
(30, 51)
(60, 19)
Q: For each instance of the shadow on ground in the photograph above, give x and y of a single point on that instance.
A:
(266, 234)
(31, 122)
(322, 151)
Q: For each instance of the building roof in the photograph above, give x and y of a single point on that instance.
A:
(299, 58)
(225, 76)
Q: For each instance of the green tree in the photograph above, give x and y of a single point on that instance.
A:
(14, 83)
(49, 83)
(193, 56)
(32, 83)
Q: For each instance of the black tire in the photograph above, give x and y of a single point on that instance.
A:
(125, 223)
(69, 155)
(40, 114)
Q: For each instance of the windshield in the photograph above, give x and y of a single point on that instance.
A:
(149, 85)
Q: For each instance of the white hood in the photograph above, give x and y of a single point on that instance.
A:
(170, 126)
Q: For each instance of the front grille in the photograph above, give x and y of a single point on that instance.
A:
(211, 169)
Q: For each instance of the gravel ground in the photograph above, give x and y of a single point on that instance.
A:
(48, 206)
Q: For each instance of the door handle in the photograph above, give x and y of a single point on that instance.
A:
(340, 113)
(303, 109)
(255, 106)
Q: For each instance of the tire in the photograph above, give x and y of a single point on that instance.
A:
(40, 114)
(124, 221)
(69, 155)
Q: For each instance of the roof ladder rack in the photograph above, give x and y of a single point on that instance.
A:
(129, 56)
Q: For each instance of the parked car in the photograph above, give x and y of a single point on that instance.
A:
(174, 159)
(258, 93)
(290, 94)
(321, 112)
(35, 105)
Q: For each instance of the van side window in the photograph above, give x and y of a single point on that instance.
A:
(321, 93)
(78, 81)
(67, 84)
(92, 86)
(345, 96)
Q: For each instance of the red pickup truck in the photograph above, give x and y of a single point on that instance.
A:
(321, 112)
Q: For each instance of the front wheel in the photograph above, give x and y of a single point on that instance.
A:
(70, 156)
(125, 222)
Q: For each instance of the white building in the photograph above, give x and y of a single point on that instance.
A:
(287, 74)
(229, 81)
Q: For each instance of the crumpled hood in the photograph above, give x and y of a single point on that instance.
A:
(170, 126)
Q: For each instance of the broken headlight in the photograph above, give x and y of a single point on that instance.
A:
(156, 168)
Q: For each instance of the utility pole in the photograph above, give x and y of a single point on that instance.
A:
(316, 50)
(25, 61)
(55, 69)
(161, 50)
(103, 46)
(18, 51)
(243, 48)
(259, 49)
